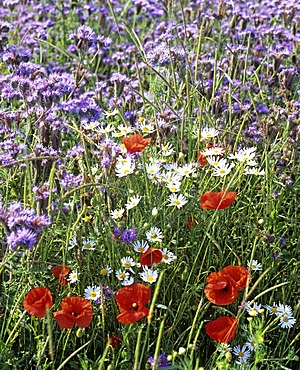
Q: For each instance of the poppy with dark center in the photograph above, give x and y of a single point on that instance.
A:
(238, 275)
(75, 310)
(135, 143)
(61, 272)
(220, 289)
(38, 301)
(222, 329)
(131, 301)
(217, 200)
(151, 256)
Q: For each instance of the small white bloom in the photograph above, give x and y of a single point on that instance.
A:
(254, 265)
(73, 277)
(167, 256)
(213, 151)
(133, 202)
(252, 344)
(177, 200)
(106, 271)
(284, 309)
(148, 275)
(253, 310)
(171, 177)
(167, 150)
(154, 235)
(72, 242)
(122, 275)
(127, 263)
(88, 244)
(245, 155)
(222, 169)
(153, 168)
(122, 131)
(254, 171)
(242, 353)
(287, 321)
(92, 292)
(174, 187)
(140, 247)
(273, 310)
(146, 128)
(186, 170)
(154, 211)
(117, 213)
(208, 133)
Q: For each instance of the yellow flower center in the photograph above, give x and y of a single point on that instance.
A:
(241, 354)
(141, 249)
(153, 235)
(104, 272)
(127, 265)
(93, 294)
(176, 202)
(122, 276)
(150, 278)
(87, 245)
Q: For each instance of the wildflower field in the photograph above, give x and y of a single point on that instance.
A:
(149, 184)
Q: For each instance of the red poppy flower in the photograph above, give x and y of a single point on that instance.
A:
(151, 256)
(238, 274)
(61, 272)
(135, 143)
(220, 290)
(131, 301)
(38, 301)
(222, 329)
(217, 200)
(114, 341)
(75, 310)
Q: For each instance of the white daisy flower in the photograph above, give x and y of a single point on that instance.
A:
(242, 353)
(254, 171)
(140, 246)
(146, 128)
(213, 151)
(117, 213)
(253, 310)
(88, 244)
(287, 321)
(127, 263)
(72, 243)
(208, 133)
(252, 344)
(106, 271)
(122, 131)
(92, 292)
(73, 277)
(148, 275)
(186, 170)
(254, 265)
(122, 275)
(171, 177)
(167, 150)
(222, 169)
(216, 161)
(154, 235)
(133, 202)
(153, 168)
(177, 200)
(273, 310)
(284, 309)
(174, 187)
(105, 129)
(244, 155)
(167, 256)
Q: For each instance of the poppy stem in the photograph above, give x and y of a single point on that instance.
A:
(51, 348)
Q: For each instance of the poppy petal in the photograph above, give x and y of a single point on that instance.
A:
(222, 329)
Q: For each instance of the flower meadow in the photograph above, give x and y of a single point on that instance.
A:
(149, 189)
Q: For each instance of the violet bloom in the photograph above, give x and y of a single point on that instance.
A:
(129, 235)
(21, 238)
(161, 361)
